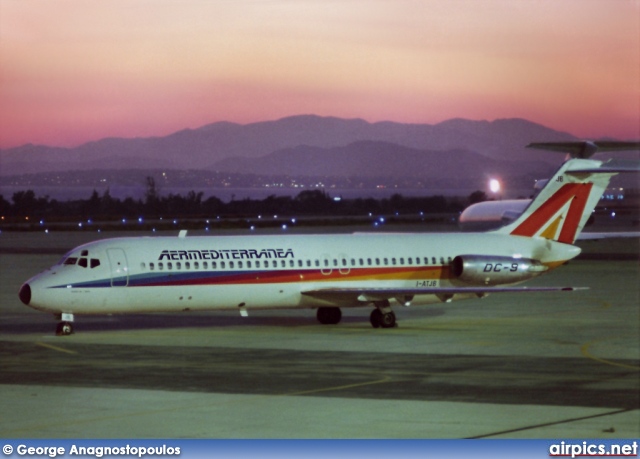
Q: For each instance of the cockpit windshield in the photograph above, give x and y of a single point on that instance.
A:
(83, 261)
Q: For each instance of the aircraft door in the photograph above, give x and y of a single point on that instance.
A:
(119, 267)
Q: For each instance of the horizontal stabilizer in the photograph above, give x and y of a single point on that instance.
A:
(586, 148)
(613, 166)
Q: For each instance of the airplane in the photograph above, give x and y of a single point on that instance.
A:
(487, 215)
(326, 272)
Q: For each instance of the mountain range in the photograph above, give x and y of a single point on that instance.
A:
(306, 143)
(454, 154)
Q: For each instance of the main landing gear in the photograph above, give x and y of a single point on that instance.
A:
(381, 317)
(65, 326)
(328, 316)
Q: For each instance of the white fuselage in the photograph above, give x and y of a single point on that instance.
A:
(153, 274)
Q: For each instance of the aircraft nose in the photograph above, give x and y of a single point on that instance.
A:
(25, 294)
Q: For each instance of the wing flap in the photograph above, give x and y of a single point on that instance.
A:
(379, 294)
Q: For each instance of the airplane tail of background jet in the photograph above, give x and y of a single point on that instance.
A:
(562, 208)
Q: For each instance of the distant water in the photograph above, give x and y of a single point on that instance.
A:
(227, 194)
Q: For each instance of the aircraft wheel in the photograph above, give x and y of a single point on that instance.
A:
(376, 318)
(388, 320)
(329, 316)
(64, 329)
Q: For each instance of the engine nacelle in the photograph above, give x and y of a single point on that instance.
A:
(486, 270)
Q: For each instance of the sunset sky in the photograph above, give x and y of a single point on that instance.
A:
(75, 70)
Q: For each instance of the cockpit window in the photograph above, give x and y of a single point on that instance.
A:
(83, 262)
(95, 263)
(84, 253)
(70, 261)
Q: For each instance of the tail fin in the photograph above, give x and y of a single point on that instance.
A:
(562, 208)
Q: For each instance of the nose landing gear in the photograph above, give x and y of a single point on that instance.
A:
(65, 326)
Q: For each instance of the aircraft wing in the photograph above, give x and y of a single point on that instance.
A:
(404, 295)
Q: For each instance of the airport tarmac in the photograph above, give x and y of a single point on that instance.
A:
(539, 365)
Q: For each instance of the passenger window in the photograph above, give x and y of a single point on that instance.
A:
(308, 263)
(344, 262)
(317, 263)
(369, 261)
(187, 265)
(283, 264)
(393, 261)
(361, 262)
(448, 259)
(409, 260)
(258, 264)
(353, 262)
(222, 265)
(377, 261)
(441, 260)
(274, 264)
(433, 260)
(143, 265)
(178, 265)
(426, 260)
(386, 262)
(205, 265)
(83, 262)
(239, 265)
(151, 265)
(160, 266)
(196, 265)
(169, 265)
(335, 262)
(326, 263)
(231, 265)
(248, 264)
(401, 261)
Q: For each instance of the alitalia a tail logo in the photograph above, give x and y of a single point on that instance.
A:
(558, 218)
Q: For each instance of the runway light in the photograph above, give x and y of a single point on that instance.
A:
(494, 185)
(284, 227)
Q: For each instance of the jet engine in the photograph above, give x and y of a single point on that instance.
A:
(485, 270)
